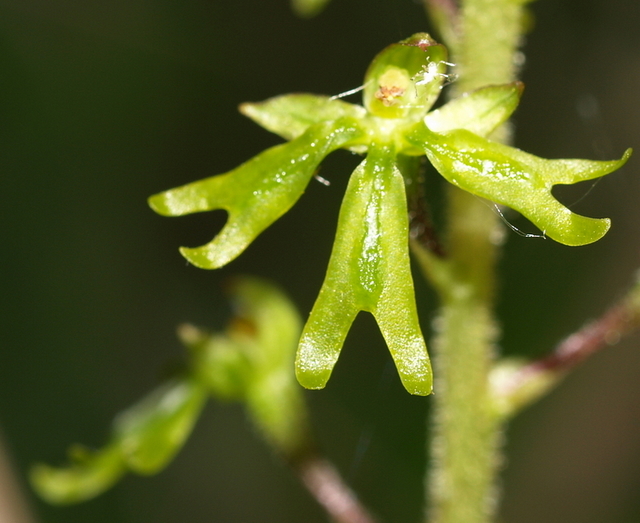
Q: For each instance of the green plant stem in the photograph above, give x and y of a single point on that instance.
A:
(464, 427)
(486, 52)
(465, 431)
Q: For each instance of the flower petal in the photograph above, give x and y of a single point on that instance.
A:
(291, 115)
(480, 111)
(517, 179)
(255, 194)
(368, 270)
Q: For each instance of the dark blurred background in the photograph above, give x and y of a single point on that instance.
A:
(103, 103)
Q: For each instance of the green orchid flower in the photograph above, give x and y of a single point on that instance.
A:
(369, 265)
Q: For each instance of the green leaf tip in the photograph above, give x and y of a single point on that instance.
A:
(369, 271)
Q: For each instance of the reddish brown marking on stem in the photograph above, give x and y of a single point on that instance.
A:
(421, 227)
(618, 321)
(422, 231)
(325, 484)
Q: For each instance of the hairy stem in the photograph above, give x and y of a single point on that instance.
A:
(466, 432)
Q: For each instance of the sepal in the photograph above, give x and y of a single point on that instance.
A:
(290, 115)
(480, 111)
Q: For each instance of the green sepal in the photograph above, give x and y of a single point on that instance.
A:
(404, 79)
(368, 270)
(255, 194)
(151, 432)
(89, 474)
(480, 111)
(290, 115)
(519, 180)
